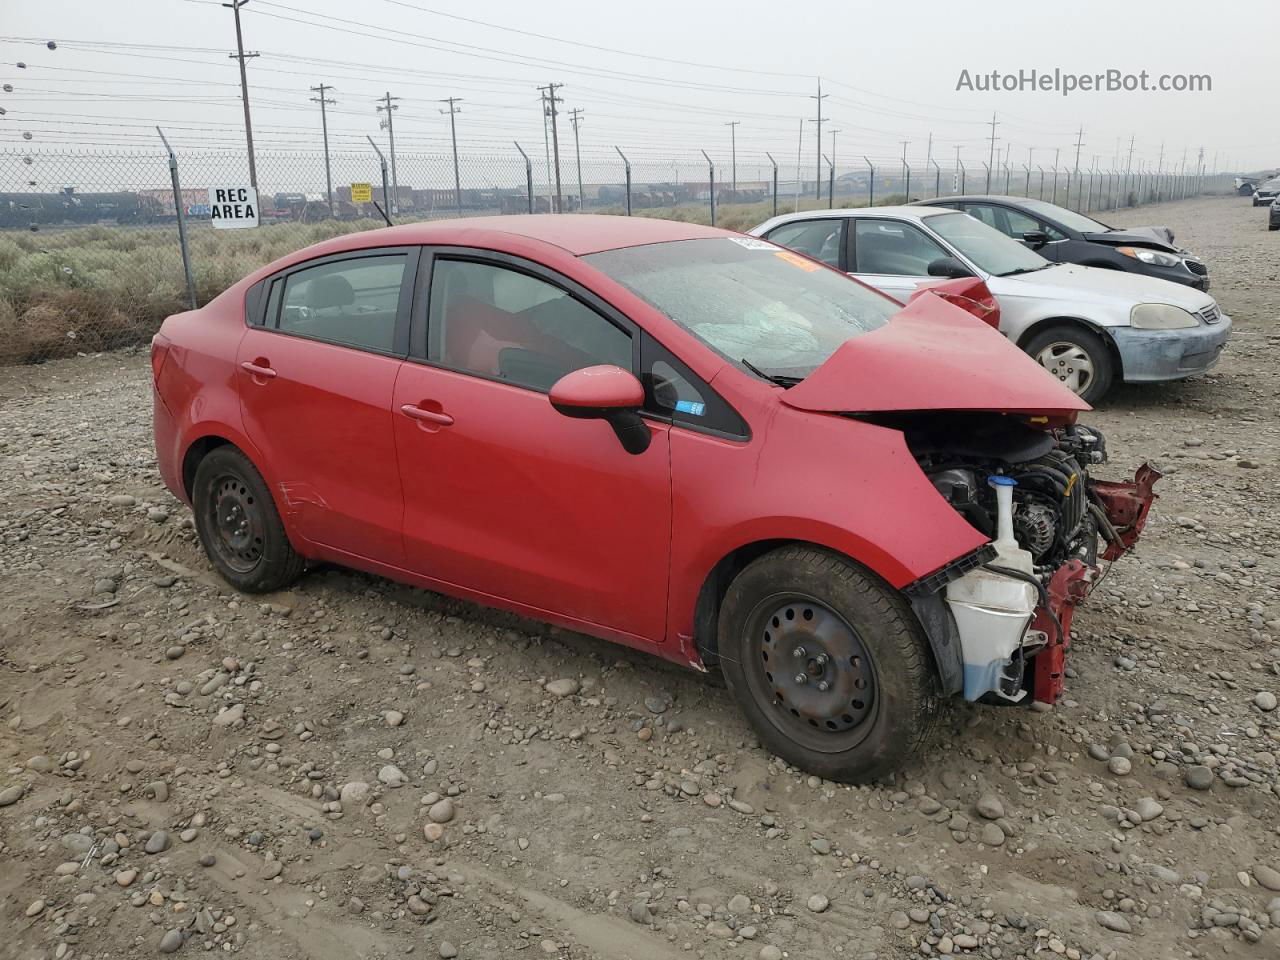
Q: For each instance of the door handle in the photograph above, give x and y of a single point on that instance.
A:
(426, 416)
(258, 369)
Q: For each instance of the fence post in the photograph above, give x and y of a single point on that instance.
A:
(528, 175)
(1007, 174)
(937, 179)
(627, 164)
(871, 183)
(831, 182)
(711, 170)
(964, 175)
(986, 166)
(775, 181)
(1055, 184)
(386, 205)
(906, 188)
(1026, 191)
(182, 221)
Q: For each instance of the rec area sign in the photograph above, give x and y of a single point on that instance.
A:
(233, 208)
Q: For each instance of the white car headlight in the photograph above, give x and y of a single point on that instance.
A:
(1158, 257)
(1161, 316)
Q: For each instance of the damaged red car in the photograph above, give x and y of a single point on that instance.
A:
(673, 437)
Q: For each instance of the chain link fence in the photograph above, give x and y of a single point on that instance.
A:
(92, 257)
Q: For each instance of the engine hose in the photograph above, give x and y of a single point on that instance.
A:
(1044, 594)
(1108, 529)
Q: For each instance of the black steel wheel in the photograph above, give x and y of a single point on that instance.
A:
(239, 526)
(828, 663)
(813, 669)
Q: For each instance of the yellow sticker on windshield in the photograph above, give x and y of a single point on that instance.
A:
(804, 263)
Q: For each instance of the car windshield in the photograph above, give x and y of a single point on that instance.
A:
(750, 300)
(985, 246)
(1068, 218)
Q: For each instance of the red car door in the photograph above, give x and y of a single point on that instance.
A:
(506, 499)
(316, 374)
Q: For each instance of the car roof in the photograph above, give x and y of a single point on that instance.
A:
(576, 233)
(901, 210)
(974, 198)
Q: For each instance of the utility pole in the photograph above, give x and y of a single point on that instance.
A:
(820, 97)
(324, 125)
(575, 117)
(733, 153)
(550, 92)
(240, 55)
(453, 111)
(389, 106)
(546, 138)
(991, 157)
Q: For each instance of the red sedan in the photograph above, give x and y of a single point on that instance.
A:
(666, 435)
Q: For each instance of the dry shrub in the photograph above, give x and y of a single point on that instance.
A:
(65, 322)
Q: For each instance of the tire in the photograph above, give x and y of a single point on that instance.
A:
(247, 545)
(881, 702)
(1054, 348)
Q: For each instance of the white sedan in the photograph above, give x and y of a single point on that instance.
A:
(1087, 326)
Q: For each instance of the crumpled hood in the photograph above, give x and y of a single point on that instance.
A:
(1080, 284)
(932, 356)
(1159, 237)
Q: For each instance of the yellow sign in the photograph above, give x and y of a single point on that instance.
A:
(362, 193)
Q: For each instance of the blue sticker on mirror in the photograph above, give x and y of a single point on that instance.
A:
(691, 407)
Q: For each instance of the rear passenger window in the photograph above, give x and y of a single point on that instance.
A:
(820, 239)
(352, 302)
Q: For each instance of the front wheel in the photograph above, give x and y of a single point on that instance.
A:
(239, 526)
(1077, 357)
(829, 665)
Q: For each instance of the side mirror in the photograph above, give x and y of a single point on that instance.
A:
(949, 267)
(606, 393)
(1035, 239)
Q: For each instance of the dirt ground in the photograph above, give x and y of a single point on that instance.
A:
(355, 769)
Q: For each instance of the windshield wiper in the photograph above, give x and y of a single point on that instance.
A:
(1021, 270)
(774, 378)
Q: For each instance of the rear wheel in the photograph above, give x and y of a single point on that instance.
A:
(1076, 356)
(238, 524)
(830, 667)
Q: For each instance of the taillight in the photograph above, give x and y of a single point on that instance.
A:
(159, 351)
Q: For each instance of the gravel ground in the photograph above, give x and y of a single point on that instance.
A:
(356, 769)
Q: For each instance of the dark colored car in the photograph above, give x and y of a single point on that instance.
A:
(1266, 191)
(1065, 236)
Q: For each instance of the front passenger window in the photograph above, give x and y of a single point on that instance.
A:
(509, 325)
(893, 248)
(350, 301)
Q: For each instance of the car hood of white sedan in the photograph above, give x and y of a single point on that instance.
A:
(1069, 281)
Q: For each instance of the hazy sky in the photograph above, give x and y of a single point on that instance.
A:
(672, 76)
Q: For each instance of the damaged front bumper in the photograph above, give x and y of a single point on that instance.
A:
(998, 642)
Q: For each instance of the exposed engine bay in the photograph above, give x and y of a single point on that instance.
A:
(1053, 518)
(1026, 485)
